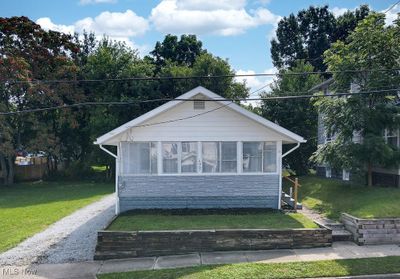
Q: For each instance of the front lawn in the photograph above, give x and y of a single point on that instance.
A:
(331, 197)
(28, 208)
(272, 270)
(260, 219)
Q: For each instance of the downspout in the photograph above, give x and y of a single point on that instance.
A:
(291, 150)
(283, 155)
(116, 177)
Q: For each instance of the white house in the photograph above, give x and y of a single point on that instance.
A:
(205, 153)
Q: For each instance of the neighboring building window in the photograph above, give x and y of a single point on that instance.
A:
(170, 154)
(269, 157)
(329, 137)
(357, 137)
(346, 175)
(328, 172)
(219, 157)
(259, 157)
(139, 157)
(189, 157)
(392, 137)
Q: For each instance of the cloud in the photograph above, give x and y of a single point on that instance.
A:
(339, 11)
(47, 24)
(392, 14)
(117, 26)
(222, 17)
(126, 24)
(87, 2)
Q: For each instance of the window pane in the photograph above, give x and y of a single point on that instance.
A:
(136, 157)
(252, 156)
(210, 156)
(153, 157)
(228, 157)
(170, 157)
(269, 157)
(189, 157)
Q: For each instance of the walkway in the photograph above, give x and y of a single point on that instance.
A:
(339, 250)
(71, 239)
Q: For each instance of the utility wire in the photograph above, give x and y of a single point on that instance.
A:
(287, 97)
(183, 118)
(391, 7)
(147, 78)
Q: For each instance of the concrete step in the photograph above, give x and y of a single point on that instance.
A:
(335, 226)
(341, 235)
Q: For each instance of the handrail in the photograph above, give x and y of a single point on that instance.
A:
(295, 194)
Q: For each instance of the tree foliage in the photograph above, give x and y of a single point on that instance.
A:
(297, 115)
(309, 33)
(372, 46)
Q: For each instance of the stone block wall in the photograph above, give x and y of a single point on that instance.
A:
(372, 231)
(117, 245)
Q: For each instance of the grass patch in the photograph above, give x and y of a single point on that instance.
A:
(28, 208)
(331, 197)
(259, 219)
(273, 270)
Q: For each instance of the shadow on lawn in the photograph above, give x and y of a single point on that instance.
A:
(36, 193)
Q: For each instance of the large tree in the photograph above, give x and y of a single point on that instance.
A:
(363, 62)
(309, 33)
(296, 115)
(29, 53)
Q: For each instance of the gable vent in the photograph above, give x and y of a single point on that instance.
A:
(199, 104)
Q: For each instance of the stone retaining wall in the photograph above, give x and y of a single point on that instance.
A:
(117, 245)
(372, 231)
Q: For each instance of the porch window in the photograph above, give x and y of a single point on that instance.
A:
(269, 163)
(139, 157)
(219, 157)
(259, 157)
(189, 157)
(170, 154)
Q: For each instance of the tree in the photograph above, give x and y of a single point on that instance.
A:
(297, 115)
(372, 46)
(26, 47)
(183, 52)
(309, 33)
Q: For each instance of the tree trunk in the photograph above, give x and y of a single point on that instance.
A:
(3, 168)
(10, 174)
(369, 174)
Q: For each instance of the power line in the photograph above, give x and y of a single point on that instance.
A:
(287, 97)
(391, 7)
(147, 78)
(183, 118)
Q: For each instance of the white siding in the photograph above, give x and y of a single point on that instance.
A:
(219, 125)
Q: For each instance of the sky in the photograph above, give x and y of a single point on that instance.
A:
(237, 30)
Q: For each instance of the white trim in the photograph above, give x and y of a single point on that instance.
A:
(203, 174)
(239, 156)
(279, 167)
(117, 170)
(208, 94)
(159, 158)
(199, 157)
(345, 175)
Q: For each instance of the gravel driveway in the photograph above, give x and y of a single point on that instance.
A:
(70, 239)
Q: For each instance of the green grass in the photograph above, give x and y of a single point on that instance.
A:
(240, 220)
(331, 197)
(28, 208)
(271, 270)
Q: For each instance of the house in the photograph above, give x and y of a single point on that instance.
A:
(199, 151)
(380, 175)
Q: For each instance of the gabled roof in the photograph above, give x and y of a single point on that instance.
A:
(189, 95)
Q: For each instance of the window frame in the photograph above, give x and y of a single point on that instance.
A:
(128, 156)
(199, 164)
